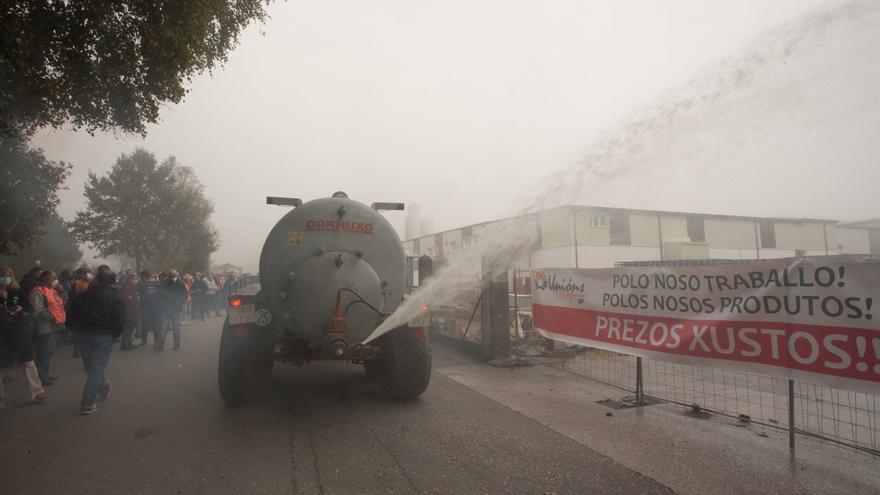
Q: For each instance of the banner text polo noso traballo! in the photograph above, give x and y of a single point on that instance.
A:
(814, 319)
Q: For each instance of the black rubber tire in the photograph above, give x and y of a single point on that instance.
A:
(405, 364)
(373, 370)
(244, 368)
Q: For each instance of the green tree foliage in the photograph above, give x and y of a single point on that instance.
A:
(109, 65)
(56, 249)
(29, 185)
(155, 213)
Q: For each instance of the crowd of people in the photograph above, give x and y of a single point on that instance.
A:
(94, 311)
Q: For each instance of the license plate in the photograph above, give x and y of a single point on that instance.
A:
(420, 322)
(246, 313)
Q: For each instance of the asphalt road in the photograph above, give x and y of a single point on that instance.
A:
(325, 430)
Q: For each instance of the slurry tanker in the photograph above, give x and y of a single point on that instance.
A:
(331, 271)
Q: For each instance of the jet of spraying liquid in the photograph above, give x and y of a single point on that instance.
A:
(713, 115)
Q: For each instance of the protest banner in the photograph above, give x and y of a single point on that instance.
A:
(813, 319)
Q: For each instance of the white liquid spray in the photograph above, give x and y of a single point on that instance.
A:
(745, 107)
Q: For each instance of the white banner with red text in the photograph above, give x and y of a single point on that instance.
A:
(810, 319)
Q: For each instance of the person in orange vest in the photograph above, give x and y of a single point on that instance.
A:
(49, 319)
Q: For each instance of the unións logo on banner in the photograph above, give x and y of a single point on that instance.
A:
(566, 286)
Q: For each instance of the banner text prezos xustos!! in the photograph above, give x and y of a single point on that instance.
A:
(806, 318)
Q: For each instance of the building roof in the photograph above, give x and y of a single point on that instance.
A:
(655, 212)
(871, 223)
(227, 267)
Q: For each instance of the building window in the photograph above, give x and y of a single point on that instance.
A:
(599, 220)
(618, 224)
(696, 229)
(768, 235)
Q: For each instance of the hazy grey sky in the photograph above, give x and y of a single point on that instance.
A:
(465, 106)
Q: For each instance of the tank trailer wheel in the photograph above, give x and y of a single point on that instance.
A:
(245, 366)
(405, 367)
(373, 370)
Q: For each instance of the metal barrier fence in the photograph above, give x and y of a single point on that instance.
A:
(846, 418)
(849, 419)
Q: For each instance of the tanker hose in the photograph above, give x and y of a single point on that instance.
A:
(360, 299)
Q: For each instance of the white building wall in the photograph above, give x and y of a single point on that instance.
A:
(853, 241)
(732, 254)
(674, 228)
(808, 236)
(730, 233)
(560, 257)
(626, 253)
(451, 243)
(607, 256)
(643, 230)
(768, 254)
(590, 234)
(556, 228)
(479, 232)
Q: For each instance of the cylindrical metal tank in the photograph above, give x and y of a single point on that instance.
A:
(321, 247)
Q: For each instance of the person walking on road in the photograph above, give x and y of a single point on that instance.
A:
(49, 318)
(174, 296)
(98, 317)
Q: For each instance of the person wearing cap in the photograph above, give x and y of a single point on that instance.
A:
(174, 297)
(98, 318)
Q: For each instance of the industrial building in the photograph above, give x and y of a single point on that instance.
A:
(597, 237)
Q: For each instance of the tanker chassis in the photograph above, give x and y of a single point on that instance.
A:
(331, 271)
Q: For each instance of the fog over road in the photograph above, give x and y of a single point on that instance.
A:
(324, 430)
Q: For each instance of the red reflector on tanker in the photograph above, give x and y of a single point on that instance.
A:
(419, 334)
(235, 302)
(242, 331)
(425, 308)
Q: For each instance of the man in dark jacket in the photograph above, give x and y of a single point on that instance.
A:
(28, 283)
(174, 296)
(151, 307)
(98, 317)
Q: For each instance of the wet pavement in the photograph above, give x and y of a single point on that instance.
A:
(690, 454)
(324, 430)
